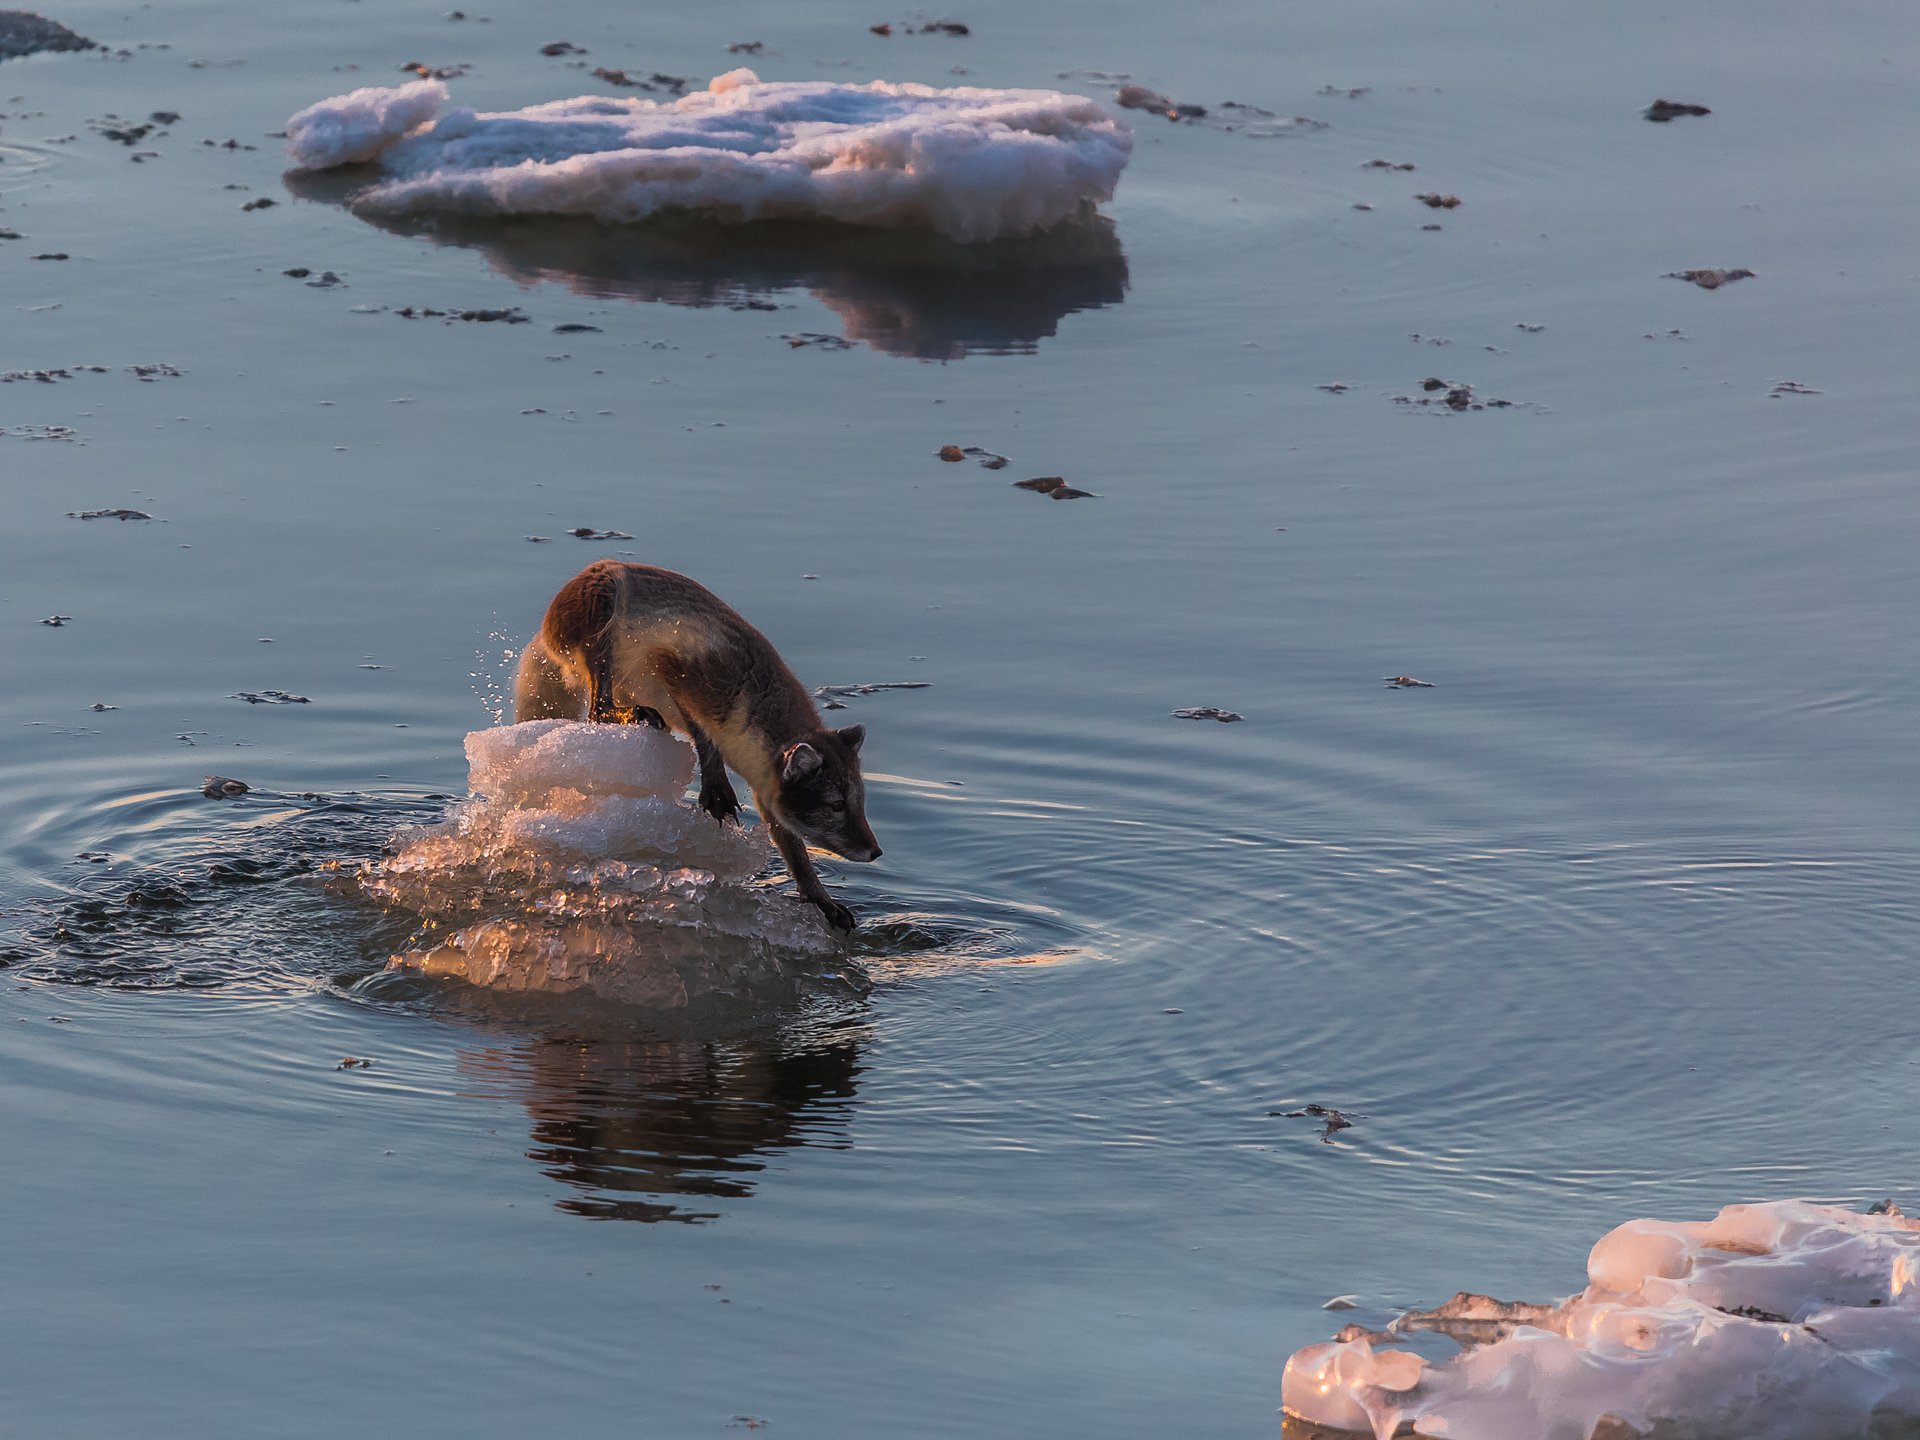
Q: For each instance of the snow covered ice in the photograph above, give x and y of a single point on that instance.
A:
(1779, 1321)
(972, 164)
(580, 866)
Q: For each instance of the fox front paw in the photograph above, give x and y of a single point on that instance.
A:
(838, 916)
(720, 802)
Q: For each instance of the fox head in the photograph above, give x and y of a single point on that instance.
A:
(822, 797)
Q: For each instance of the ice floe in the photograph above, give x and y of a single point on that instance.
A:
(578, 866)
(972, 164)
(1779, 1321)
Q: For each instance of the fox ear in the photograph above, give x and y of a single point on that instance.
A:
(853, 735)
(800, 761)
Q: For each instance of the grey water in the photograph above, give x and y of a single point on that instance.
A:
(1617, 918)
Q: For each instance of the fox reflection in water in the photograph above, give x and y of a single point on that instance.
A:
(904, 292)
(631, 1125)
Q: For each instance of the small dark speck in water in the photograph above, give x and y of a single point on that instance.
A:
(1794, 387)
(1433, 200)
(1709, 279)
(219, 787)
(746, 47)
(822, 342)
(100, 707)
(326, 281)
(421, 312)
(298, 272)
(1407, 682)
(353, 1062)
(1333, 1120)
(115, 513)
(1335, 387)
(587, 532)
(1208, 712)
(269, 697)
(434, 72)
(1139, 97)
(1431, 227)
(1054, 486)
(51, 255)
(94, 857)
(575, 328)
(831, 693)
(1387, 165)
(56, 620)
(1661, 111)
(561, 47)
(263, 203)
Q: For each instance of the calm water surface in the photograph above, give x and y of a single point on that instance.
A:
(1614, 920)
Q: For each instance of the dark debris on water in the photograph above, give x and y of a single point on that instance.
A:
(1331, 1119)
(1661, 111)
(1208, 712)
(510, 316)
(1709, 279)
(1055, 487)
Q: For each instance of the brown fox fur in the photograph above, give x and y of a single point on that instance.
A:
(638, 644)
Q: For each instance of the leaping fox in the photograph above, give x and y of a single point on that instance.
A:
(638, 644)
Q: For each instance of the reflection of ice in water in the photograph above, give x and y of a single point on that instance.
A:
(1783, 1321)
(902, 292)
(972, 164)
(579, 867)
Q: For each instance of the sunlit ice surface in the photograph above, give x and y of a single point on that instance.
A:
(579, 866)
(972, 164)
(1773, 1321)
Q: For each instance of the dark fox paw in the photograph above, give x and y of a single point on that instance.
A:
(647, 715)
(720, 802)
(838, 915)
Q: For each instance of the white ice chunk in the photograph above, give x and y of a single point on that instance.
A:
(578, 865)
(358, 126)
(1780, 1321)
(973, 164)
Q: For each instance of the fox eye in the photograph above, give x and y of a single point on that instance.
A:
(838, 807)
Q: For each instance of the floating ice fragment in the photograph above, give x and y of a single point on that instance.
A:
(357, 126)
(973, 164)
(1781, 1321)
(579, 866)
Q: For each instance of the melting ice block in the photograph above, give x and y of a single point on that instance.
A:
(578, 865)
(1782, 1321)
(970, 163)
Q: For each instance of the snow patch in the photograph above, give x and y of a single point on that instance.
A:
(1780, 1321)
(972, 164)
